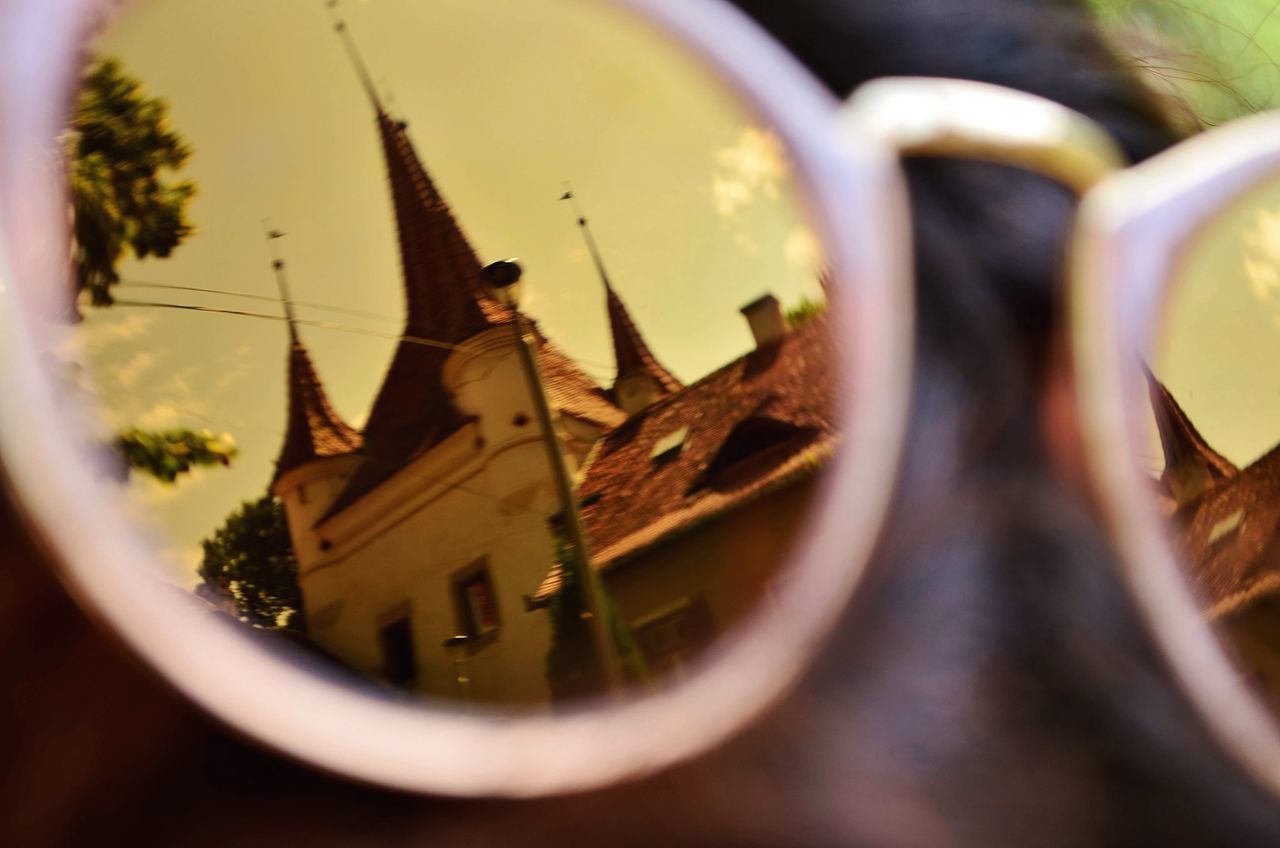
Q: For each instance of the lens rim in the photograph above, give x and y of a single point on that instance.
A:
(857, 200)
(1130, 239)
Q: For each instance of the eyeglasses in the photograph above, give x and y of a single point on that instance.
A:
(684, 535)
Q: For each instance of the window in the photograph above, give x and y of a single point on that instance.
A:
(754, 436)
(672, 636)
(476, 602)
(754, 445)
(399, 661)
(669, 446)
(1226, 528)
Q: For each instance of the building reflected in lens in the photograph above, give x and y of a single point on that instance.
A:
(432, 550)
(1227, 521)
(472, 507)
(1218, 477)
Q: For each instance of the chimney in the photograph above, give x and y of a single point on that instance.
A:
(768, 324)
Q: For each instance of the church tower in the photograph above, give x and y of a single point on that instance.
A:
(451, 327)
(1191, 467)
(319, 453)
(438, 527)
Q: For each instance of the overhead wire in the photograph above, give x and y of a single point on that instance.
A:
(597, 370)
(358, 313)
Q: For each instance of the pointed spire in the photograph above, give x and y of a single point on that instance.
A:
(444, 286)
(445, 301)
(444, 289)
(1191, 466)
(353, 53)
(631, 353)
(313, 429)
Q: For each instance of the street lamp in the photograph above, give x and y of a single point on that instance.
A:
(502, 279)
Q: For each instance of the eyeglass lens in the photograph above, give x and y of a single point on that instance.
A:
(1214, 446)
(343, 416)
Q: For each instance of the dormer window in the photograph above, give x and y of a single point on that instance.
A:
(1226, 528)
(752, 439)
(669, 446)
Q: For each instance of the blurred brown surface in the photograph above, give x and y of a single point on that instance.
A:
(918, 728)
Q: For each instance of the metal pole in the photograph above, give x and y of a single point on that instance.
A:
(593, 597)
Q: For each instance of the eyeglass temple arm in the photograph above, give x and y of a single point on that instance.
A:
(923, 116)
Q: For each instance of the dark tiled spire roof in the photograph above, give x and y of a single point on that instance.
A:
(313, 429)
(629, 348)
(443, 282)
(445, 304)
(1180, 440)
(1231, 538)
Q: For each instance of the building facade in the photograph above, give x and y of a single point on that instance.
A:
(427, 554)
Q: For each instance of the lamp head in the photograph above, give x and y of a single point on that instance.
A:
(502, 280)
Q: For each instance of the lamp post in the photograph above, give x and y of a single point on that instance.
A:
(502, 279)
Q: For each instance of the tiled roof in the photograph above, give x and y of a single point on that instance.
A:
(443, 281)
(571, 391)
(630, 351)
(313, 429)
(445, 305)
(758, 423)
(1230, 534)
(1231, 537)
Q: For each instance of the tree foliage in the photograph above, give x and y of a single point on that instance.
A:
(165, 454)
(250, 559)
(122, 153)
(1212, 59)
(805, 310)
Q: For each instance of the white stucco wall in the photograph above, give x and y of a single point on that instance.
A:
(483, 494)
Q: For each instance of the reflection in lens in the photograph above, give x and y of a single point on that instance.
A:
(493, 482)
(1215, 395)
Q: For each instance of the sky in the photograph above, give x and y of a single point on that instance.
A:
(1219, 347)
(692, 201)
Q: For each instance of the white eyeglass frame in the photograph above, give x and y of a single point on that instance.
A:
(1123, 258)
(1130, 234)
(309, 716)
(1126, 247)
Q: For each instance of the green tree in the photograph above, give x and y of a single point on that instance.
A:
(165, 454)
(122, 155)
(1213, 59)
(250, 559)
(805, 310)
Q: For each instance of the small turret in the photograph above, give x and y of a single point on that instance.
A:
(319, 452)
(640, 378)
